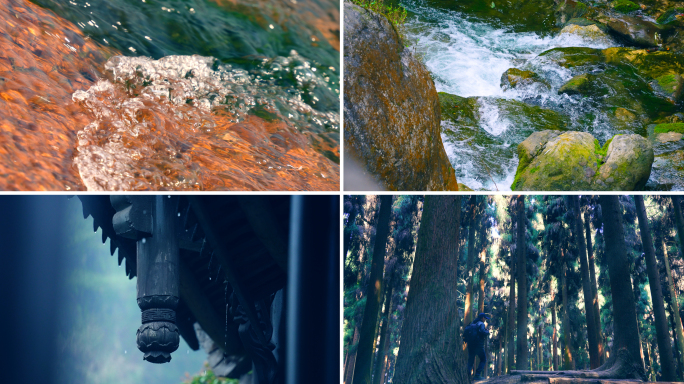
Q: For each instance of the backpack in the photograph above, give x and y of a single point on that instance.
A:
(470, 333)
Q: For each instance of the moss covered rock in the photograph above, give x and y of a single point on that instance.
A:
(669, 127)
(514, 77)
(557, 162)
(391, 108)
(572, 161)
(578, 85)
(624, 6)
(627, 164)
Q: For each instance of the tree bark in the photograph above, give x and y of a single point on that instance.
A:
(662, 331)
(555, 337)
(522, 287)
(431, 342)
(364, 354)
(483, 276)
(586, 286)
(468, 316)
(384, 333)
(626, 331)
(510, 363)
(675, 305)
(351, 359)
(567, 355)
(594, 289)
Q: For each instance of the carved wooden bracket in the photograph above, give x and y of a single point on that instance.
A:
(151, 220)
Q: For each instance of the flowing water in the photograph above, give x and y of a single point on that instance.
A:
(148, 95)
(467, 57)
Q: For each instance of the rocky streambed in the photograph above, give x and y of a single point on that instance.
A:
(556, 95)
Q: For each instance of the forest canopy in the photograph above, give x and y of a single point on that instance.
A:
(580, 287)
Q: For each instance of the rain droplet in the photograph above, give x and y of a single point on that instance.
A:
(178, 214)
(125, 352)
(144, 240)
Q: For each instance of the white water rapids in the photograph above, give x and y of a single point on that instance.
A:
(467, 58)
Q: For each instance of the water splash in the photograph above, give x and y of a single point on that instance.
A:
(189, 122)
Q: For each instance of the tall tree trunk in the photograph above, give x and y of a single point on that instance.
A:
(567, 354)
(510, 326)
(675, 307)
(594, 359)
(662, 331)
(351, 358)
(364, 354)
(522, 360)
(384, 332)
(431, 350)
(498, 358)
(673, 293)
(626, 331)
(483, 277)
(676, 344)
(594, 290)
(470, 263)
(555, 336)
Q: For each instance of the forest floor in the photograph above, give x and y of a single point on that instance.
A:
(552, 378)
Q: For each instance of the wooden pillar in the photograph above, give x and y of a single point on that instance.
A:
(151, 221)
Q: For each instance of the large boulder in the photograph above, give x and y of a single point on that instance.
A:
(391, 107)
(573, 161)
(635, 31)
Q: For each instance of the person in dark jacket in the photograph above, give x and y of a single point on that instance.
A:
(476, 347)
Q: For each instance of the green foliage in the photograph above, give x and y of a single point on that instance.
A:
(208, 377)
(395, 15)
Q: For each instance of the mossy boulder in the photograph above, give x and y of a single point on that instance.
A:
(514, 78)
(573, 161)
(626, 166)
(624, 6)
(391, 108)
(556, 162)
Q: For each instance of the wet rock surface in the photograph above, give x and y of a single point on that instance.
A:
(573, 161)
(391, 108)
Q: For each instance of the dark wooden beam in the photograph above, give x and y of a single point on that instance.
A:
(206, 316)
(228, 265)
(265, 226)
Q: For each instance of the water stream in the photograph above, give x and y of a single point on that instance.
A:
(467, 57)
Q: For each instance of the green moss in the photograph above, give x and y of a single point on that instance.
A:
(602, 151)
(669, 15)
(624, 6)
(668, 83)
(672, 127)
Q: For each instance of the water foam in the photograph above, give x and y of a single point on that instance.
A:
(467, 58)
(153, 119)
